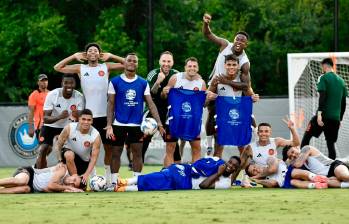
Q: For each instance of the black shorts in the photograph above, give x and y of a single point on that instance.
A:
(333, 167)
(100, 123)
(48, 133)
(123, 133)
(169, 138)
(28, 170)
(81, 165)
(330, 128)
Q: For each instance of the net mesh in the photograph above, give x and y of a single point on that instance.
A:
(306, 103)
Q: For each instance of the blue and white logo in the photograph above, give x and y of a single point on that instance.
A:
(130, 94)
(186, 107)
(21, 143)
(234, 114)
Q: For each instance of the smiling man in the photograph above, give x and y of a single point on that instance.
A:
(62, 106)
(78, 146)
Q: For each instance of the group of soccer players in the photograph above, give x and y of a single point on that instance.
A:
(110, 112)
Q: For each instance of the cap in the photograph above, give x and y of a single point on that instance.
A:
(42, 76)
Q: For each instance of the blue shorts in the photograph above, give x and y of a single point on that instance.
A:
(288, 178)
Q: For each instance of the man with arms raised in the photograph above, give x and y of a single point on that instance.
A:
(62, 106)
(29, 180)
(78, 146)
(94, 83)
(126, 95)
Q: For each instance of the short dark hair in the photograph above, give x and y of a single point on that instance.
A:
(327, 61)
(191, 59)
(264, 124)
(237, 159)
(68, 75)
(231, 57)
(82, 186)
(166, 52)
(132, 53)
(86, 112)
(243, 33)
(93, 45)
(285, 151)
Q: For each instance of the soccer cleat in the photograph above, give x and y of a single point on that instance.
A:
(209, 151)
(111, 188)
(320, 179)
(319, 185)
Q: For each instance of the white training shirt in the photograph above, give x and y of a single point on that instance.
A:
(79, 143)
(219, 65)
(111, 90)
(280, 175)
(227, 90)
(319, 164)
(261, 153)
(42, 179)
(183, 83)
(221, 183)
(94, 84)
(57, 103)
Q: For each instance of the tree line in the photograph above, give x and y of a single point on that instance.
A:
(36, 34)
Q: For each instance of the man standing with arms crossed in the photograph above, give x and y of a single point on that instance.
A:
(94, 79)
(332, 105)
(36, 106)
(126, 95)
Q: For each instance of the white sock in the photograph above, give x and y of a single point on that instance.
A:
(209, 141)
(344, 184)
(114, 178)
(311, 176)
(132, 180)
(311, 185)
(131, 188)
(107, 174)
(136, 174)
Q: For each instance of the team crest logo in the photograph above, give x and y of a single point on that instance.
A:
(20, 141)
(234, 114)
(186, 107)
(87, 144)
(271, 152)
(130, 94)
(73, 107)
(196, 89)
(101, 73)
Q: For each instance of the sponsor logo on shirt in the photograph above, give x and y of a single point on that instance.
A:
(101, 73)
(87, 144)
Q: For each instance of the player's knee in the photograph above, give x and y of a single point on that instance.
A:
(26, 189)
(69, 156)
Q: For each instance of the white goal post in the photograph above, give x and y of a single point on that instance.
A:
(304, 70)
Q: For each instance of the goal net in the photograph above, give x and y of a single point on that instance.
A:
(304, 70)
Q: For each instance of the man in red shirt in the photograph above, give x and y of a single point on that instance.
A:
(35, 105)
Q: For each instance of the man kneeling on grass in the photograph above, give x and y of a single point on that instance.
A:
(29, 180)
(205, 173)
(276, 174)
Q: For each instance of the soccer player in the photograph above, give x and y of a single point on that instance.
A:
(276, 174)
(62, 106)
(94, 78)
(35, 106)
(332, 104)
(30, 180)
(220, 87)
(126, 95)
(158, 78)
(206, 173)
(238, 49)
(316, 162)
(78, 146)
(191, 80)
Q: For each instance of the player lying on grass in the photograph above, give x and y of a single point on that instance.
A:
(315, 161)
(276, 174)
(29, 180)
(205, 173)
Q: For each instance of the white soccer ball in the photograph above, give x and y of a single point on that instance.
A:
(98, 183)
(149, 126)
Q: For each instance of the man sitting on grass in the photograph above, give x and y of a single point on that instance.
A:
(29, 180)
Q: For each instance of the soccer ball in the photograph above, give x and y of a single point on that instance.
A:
(98, 183)
(149, 126)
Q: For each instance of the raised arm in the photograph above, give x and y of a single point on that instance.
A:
(63, 66)
(118, 66)
(171, 83)
(206, 30)
(302, 158)
(94, 156)
(281, 142)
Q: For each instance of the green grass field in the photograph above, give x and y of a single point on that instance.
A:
(236, 205)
